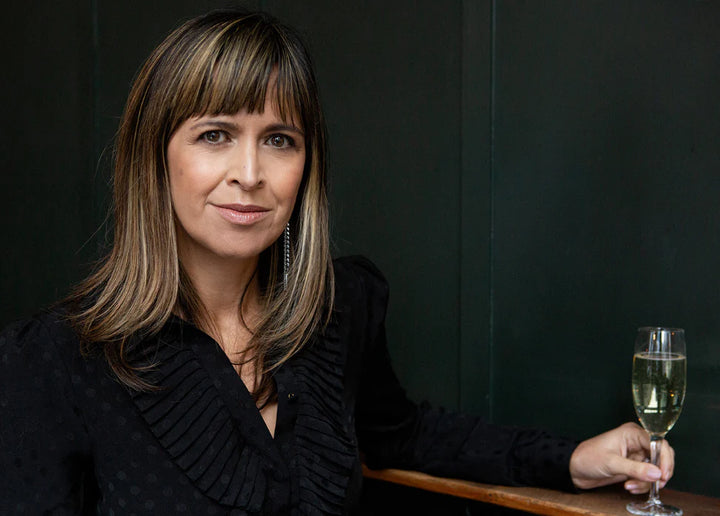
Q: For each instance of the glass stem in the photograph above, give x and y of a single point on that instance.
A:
(655, 444)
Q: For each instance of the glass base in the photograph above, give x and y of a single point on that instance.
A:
(653, 508)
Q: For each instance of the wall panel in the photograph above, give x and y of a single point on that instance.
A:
(46, 189)
(606, 216)
(390, 81)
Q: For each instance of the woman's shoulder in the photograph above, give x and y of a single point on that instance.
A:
(361, 290)
(42, 333)
(357, 270)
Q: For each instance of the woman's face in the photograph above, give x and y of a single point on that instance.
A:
(233, 181)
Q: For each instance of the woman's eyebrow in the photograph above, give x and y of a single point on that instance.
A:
(231, 126)
(285, 127)
(212, 122)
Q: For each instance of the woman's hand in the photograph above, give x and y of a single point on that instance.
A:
(620, 455)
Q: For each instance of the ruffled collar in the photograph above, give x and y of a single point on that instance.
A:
(204, 417)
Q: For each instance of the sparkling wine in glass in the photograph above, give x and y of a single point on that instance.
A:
(658, 384)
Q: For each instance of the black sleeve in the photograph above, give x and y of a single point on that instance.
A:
(395, 432)
(43, 445)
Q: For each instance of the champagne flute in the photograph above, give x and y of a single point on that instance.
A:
(658, 384)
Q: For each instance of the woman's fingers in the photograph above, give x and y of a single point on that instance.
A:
(667, 462)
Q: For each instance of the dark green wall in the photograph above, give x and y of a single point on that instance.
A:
(536, 179)
(607, 123)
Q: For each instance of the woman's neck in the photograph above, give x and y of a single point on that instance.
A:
(221, 285)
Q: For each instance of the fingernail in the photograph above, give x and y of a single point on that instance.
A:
(654, 474)
(631, 486)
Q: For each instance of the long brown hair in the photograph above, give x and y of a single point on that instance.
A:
(218, 63)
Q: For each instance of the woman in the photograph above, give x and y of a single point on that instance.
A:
(218, 362)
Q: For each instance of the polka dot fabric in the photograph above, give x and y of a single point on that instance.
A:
(75, 441)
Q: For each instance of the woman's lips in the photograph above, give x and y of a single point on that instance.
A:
(242, 214)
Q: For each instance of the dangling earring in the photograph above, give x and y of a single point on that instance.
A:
(286, 252)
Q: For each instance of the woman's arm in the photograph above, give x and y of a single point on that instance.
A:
(394, 432)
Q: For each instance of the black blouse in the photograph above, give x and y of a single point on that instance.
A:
(75, 441)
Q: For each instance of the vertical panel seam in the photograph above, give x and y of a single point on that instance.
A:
(95, 138)
(461, 216)
(491, 243)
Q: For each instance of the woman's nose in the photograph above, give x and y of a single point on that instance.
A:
(244, 167)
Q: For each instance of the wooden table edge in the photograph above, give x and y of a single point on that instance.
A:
(532, 500)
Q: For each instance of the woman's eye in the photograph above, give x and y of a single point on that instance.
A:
(280, 141)
(213, 136)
